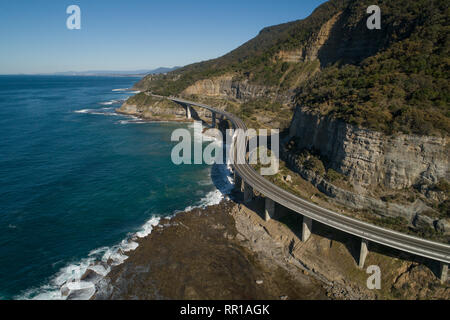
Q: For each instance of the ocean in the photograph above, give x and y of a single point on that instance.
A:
(79, 182)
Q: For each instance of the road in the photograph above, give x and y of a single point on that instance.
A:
(404, 242)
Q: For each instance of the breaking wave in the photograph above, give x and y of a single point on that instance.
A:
(81, 280)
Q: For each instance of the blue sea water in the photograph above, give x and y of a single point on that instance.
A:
(76, 179)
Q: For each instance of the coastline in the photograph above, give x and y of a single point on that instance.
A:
(154, 119)
(79, 280)
(227, 251)
(275, 267)
(200, 254)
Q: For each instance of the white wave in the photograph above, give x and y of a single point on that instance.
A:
(101, 112)
(109, 103)
(67, 282)
(128, 90)
(82, 111)
(204, 182)
(132, 122)
(148, 227)
(100, 269)
(79, 290)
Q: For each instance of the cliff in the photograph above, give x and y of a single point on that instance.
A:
(226, 87)
(392, 175)
(371, 158)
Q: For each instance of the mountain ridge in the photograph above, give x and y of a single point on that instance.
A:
(332, 48)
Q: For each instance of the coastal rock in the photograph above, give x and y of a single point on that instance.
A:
(81, 290)
(198, 262)
(443, 226)
(357, 200)
(370, 158)
(91, 276)
(413, 284)
(423, 222)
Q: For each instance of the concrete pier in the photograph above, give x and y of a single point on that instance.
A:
(363, 253)
(269, 210)
(306, 228)
(443, 273)
(248, 193)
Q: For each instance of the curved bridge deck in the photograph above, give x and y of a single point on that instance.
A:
(311, 212)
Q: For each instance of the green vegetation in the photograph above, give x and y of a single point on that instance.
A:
(444, 209)
(403, 88)
(142, 99)
(145, 103)
(391, 80)
(275, 115)
(249, 108)
(334, 176)
(253, 60)
(443, 186)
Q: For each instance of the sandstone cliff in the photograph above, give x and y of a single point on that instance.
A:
(371, 158)
(228, 87)
(374, 164)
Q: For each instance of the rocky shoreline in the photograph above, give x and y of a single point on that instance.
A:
(228, 252)
(201, 255)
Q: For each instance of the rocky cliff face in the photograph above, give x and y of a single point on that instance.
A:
(370, 158)
(231, 87)
(241, 90)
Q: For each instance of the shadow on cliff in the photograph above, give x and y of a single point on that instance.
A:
(352, 243)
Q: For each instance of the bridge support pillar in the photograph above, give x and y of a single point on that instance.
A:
(248, 193)
(269, 211)
(213, 125)
(363, 253)
(306, 228)
(444, 271)
(188, 112)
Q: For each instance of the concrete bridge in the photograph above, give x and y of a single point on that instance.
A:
(248, 180)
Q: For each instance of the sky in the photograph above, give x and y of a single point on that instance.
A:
(132, 34)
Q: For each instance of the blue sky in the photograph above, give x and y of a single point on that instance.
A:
(132, 34)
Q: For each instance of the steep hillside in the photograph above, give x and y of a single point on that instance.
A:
(262, 60)
(390, 80)
(404, 87)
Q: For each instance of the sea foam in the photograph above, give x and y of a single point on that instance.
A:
(68, 283)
